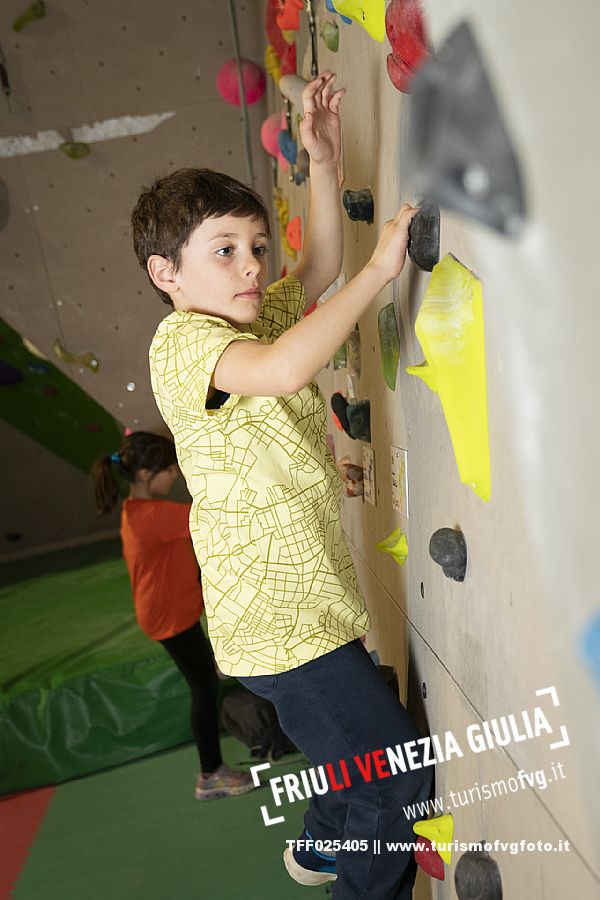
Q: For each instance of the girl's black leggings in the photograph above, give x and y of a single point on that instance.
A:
(192, 654)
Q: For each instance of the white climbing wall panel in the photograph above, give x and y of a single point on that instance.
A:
(481, 649)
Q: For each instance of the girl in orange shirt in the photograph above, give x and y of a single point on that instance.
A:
(166, 587)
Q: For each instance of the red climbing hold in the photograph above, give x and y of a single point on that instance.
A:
(429, 859)
(288, 60)
(288, 17)
(406, 33)
(273, 30)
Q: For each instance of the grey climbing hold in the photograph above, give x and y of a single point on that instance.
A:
(477, 877)
(448, 548)
(460, 153)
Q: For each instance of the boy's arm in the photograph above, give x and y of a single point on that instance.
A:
(280, 369)
(321, 258)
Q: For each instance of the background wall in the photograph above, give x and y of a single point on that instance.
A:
(68, 270)
(480, 649)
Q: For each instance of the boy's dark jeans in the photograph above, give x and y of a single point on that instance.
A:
(337, 707)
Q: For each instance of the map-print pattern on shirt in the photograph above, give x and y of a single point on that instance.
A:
(279, 585)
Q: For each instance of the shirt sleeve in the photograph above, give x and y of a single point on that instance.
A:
(282, 307)
(174, 520)
(183, 360)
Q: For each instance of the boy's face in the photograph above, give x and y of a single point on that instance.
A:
(223, 269)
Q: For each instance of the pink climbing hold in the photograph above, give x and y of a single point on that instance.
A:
(406, 33)
(429, 859)
(270, 131)
(293, 233)
(254, 79)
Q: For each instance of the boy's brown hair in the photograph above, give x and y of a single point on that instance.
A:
(169, 211)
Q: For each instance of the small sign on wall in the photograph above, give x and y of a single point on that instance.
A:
(400, 480)
(370, 489)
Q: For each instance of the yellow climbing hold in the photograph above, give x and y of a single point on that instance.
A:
(396, 545)
(272, 64)
(439, 831)
(449, 327)
(368, 13)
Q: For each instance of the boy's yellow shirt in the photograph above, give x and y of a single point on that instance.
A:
(279, 586)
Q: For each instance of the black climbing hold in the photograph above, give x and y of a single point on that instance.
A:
(339, 405)
(359, 205)
(448, 549)
(460, 152)
(477, 877)
(359, 418)
(424, 237)
(303, 162)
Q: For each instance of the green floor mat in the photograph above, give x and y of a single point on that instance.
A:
(137, 833)
(81, 687)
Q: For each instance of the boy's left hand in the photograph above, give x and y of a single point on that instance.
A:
(320, 127)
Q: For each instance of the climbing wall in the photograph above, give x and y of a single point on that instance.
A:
(522, 619)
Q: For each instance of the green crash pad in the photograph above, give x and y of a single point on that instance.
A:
(81, 687)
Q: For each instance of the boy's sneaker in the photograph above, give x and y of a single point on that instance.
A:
(308, 866)
(224, 782)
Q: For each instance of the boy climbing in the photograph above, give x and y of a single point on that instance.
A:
(232, 371)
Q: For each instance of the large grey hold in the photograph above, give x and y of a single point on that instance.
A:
(460, 153)
(477, 877)
(448, 548)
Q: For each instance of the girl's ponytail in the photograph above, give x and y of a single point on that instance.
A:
(106, 490)
(139, 450)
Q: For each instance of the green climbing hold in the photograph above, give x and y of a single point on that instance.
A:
(75, 149)
(35, 11)
(389, 344)
(331, 36)
(353, 346)
(340, 357)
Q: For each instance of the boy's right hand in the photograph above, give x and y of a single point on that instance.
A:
(390, 253)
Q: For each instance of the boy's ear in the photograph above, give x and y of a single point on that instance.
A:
(162, 273)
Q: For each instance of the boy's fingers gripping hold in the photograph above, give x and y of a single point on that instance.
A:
(390, 253)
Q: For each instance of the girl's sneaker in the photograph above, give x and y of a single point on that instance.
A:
(308, 866)
(224, 782)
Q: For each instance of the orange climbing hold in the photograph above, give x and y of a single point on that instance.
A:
(293, 233)
(288, 17)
